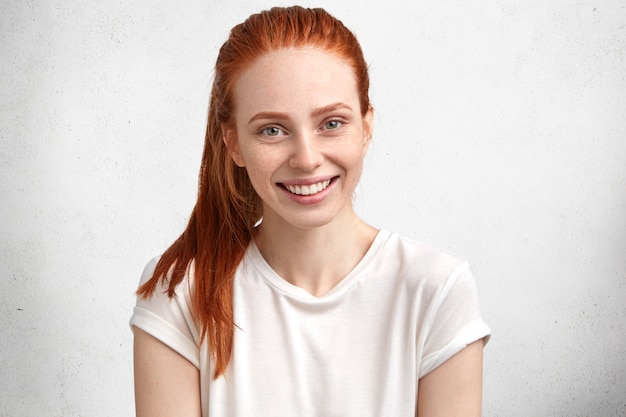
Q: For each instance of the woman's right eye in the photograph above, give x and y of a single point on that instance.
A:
(271, 131)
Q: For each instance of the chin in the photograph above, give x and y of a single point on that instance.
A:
(309, 223)
(302, 221)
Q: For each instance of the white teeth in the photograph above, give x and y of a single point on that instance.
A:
(308, 189)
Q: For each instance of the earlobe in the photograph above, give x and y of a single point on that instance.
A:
(232, 146)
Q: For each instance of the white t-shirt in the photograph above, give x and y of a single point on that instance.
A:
(358, 350)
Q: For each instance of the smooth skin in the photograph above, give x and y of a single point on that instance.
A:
(166, 384)
(455, 388)
(298, 122)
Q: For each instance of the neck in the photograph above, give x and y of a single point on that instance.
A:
(315, 259)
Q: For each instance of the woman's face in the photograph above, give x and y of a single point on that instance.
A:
(300, 135)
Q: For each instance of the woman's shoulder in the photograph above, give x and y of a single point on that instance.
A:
(163, 282)
(166, 318)
(148, 270)
(419, 261)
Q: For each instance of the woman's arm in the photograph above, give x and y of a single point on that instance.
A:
(166, 384)
(455, 388)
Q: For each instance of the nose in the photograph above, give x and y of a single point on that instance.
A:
(306, 154)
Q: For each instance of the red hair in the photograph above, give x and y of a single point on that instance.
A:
(222, 222)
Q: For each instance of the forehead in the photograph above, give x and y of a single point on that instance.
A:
(289, 79)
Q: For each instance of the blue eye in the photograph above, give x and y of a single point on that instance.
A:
(333, 124)
(271, 131)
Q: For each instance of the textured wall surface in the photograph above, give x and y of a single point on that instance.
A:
(500, 135)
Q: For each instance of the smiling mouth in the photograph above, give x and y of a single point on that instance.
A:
(309, 189)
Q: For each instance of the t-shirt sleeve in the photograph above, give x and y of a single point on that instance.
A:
(168, 319)
(452, 321)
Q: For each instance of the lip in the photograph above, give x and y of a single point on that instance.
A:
(308, 199)
(307, 181)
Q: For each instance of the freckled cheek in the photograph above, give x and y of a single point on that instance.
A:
(355, 157)
(260, 170)
(354, 166)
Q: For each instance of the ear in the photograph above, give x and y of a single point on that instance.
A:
(368, 128)
(232, 145)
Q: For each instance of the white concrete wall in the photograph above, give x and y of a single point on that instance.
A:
(500, 136)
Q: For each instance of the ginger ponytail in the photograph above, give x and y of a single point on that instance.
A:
(212, 245)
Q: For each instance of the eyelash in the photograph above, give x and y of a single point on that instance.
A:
(339, 122)
(264, 130)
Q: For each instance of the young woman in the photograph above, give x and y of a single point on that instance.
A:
(277, 299)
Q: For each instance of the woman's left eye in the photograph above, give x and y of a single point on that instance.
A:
(333, 124)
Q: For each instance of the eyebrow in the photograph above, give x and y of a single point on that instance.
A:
(283, 116)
